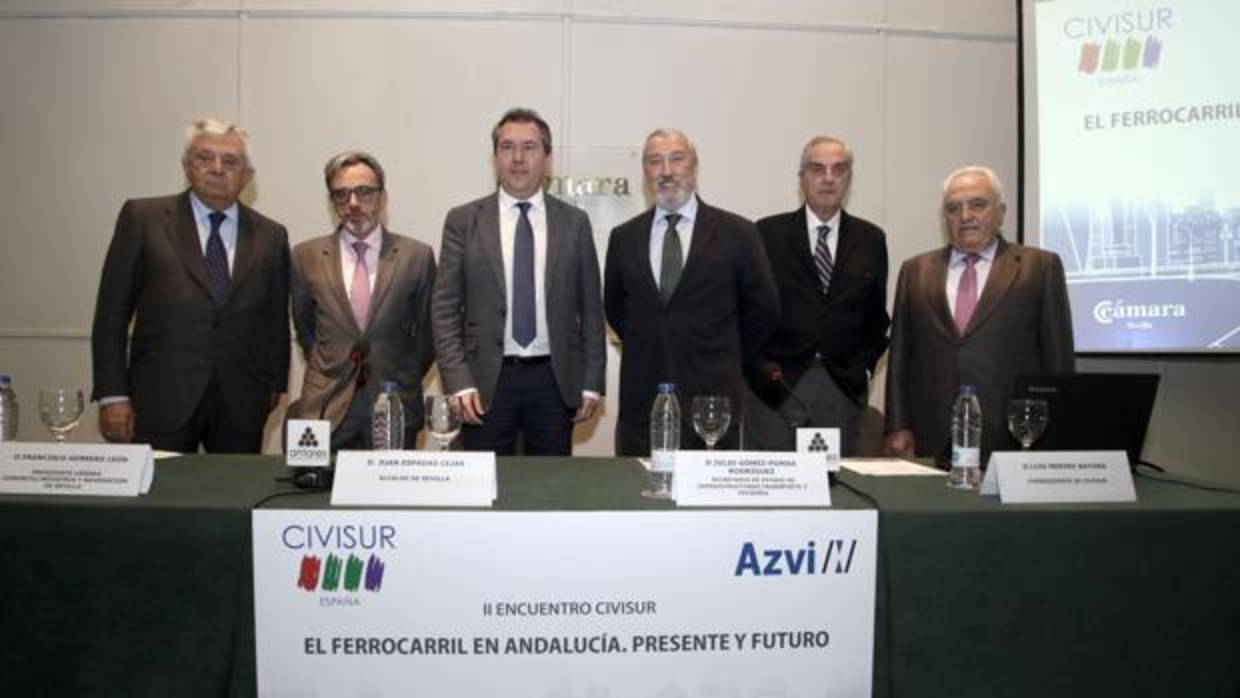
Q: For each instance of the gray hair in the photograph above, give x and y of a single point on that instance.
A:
(672, 133)
(216, 127)
(819, 140)
(349, 158)
(995, 185)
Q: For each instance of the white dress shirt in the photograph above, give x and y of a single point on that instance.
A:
(509, 214)
(833, 236)
(684, 230)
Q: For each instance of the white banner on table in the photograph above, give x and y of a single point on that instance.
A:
(414, 478)
(463, 604)
(102, 470)
(750, 479)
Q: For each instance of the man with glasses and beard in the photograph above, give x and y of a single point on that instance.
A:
(361, 306)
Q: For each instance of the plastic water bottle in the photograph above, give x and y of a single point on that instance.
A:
(966, 470)
(387, 421)
(664, 440)
(8, 410)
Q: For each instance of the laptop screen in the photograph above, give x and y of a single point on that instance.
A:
(1092, 411)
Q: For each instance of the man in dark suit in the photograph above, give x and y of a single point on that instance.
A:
(208, 280)
(831, 269)
(361, 307)
(517, 309)
(688, 290)
(977, 312)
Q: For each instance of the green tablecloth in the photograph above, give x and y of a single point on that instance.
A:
(153, 596)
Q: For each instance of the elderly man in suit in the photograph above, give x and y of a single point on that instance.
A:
(689, 291)
(517, 308)
(361, 307)
(831, 269)
(207, 279)
(977, 312)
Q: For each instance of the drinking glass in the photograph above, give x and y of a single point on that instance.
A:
(1027, 420)
(711, 416)
(60, 409)
(443, 419)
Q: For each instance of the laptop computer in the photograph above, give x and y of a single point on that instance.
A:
(1092, 411)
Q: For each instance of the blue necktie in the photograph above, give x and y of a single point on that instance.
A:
(524, 324)
(217, 260)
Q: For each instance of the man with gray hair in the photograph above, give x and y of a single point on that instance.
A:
(361, 307)
(831, 268)
(688, 289)
(977, 312)
(205, 280)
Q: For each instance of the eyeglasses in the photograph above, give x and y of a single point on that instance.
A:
(818, 169)
(204, 159)
(365, 194)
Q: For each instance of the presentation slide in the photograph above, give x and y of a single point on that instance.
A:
(1131, 141)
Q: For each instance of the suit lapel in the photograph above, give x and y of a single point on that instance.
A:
(555, 241)
(641, 255)
(796, 237)
(845, 243)
(488, 231)
(388, 261)
(936, 289)
(331, 269)
(243, 258)
(183, 233)
(704, 231)
(1003, 273)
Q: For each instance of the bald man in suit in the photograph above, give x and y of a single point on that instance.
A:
(361, 306)
(204, 278)
(977, 312)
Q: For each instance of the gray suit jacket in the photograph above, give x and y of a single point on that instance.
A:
(470, 300)
(398, 333)
(1022, 324)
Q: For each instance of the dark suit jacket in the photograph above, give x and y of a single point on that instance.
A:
(1022, 324)
(155, 268)
(398, 333)
(721, 313)
(848, 325)
(470, 301)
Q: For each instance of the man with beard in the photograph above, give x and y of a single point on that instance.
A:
(689, 291)
(361, 306)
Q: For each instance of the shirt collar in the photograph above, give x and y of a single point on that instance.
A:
(813, 221)
(508, 201)
(987, 254)
(688, 212)
(201, 210)
(373, 239)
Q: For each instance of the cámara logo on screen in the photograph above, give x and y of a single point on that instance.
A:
(1120, 41)
(1108, 311)
(340, 558)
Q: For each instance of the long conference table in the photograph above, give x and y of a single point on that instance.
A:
(153, 596)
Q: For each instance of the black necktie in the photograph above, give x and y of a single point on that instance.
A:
(822, 258)
(669, 271)
(524, 323)
(217, 259)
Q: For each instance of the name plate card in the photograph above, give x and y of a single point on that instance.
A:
(101, 470)
(822, 443)
(750, 479)
(308, 443)
(414, 478)
(1024, 477)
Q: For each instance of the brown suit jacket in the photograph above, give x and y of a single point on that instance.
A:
(397, 334)
(1022, 324)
